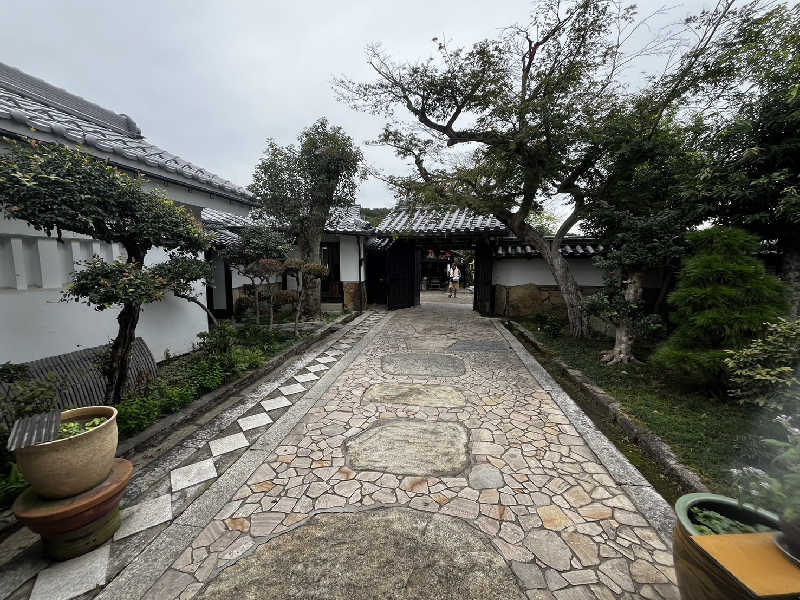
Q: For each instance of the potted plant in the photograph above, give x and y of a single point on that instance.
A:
(781, 489)
(79, 459)
(709, 514)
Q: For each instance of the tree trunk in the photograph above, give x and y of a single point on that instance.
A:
(194, 300)
(119, 357)
(309, 252)
(622, 353)
(791, 274)
(258, 305)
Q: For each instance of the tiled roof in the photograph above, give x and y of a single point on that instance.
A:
(36, 104)
(340, 220)
(436, 222)
(346, 219)
(570, 247)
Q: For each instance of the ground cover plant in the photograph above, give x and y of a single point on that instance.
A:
(220, 356)
(710, 435)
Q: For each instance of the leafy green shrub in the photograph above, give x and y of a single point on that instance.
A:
(723, 297)
(174, 398)
(138, 411)
(549, 323)
(207, 375)
(11, 485)
(765, 371)
(245, 359)
(220, 340)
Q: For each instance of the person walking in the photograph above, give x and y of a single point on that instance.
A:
(453, 275)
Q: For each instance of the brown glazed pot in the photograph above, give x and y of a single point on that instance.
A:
(68, 467)
(791, 534)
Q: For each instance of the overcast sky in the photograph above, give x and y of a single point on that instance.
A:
(210, 81)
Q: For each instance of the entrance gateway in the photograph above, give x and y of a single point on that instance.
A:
(403, 238)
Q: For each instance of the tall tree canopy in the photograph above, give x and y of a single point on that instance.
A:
(298, 185)
(752, 179)
(533, 109)
(55, 188)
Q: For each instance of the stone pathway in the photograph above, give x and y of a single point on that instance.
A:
(432, 463)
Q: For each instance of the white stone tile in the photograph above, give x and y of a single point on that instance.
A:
(189, 475)
(306, 377)
(73, 577)
(253, 421)
(295, 388)
(273, 403)
(334, 352)
(144, 515)
(325, 359)
(228, 444)
(314, 368)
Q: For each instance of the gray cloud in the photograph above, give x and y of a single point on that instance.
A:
(211, 81)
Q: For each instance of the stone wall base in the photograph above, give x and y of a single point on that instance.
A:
(529, 298)
(354, 293)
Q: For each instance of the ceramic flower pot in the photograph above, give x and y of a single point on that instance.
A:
(700, 578)
(72, 465)
(791, 535)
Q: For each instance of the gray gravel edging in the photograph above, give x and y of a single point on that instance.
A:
(169, 422)
(652, 445)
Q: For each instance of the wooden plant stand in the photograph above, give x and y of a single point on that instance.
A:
(733, 567)
(73, 526)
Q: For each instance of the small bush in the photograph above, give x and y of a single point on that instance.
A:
(11, 485)
(766, 371)
(549, 323)
(138, 411)
(723, 298)
(208, 375)
(245, 359)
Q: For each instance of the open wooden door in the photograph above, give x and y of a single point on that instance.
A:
(483, 300)
(401, 276)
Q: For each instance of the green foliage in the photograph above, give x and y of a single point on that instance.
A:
(72, 428)
(137, 412)
(299, 184)
(374, 216)
(778, 489)
(610, 304)
(102, 284)
(11, 485)
(723, 298)
(765, 371)
(709, 522)
(549, 323)
(54, 188)
(22, 396)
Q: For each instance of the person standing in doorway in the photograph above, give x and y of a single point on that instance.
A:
(453, 275)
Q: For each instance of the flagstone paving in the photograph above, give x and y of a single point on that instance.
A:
(505, 487)
(484, 488)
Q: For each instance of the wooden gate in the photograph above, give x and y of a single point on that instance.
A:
(402, 275)
(483, 300)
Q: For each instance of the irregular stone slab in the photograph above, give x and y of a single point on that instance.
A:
(443, 396)
(429, 343)
(479, 346)
(423, 363)
(410, 448)
(392, 553)
(485, 476)
(73, 577)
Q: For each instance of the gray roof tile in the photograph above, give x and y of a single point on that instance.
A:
(434, 222)
(35, 103)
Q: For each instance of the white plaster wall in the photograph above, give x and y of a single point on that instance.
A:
(519, 271)
(348, 259)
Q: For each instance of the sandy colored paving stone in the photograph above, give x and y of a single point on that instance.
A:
(458, 562)
(410, 447)
(423, 363)
(446, 396)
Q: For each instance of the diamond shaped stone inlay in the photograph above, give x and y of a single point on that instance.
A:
(294, 388)
(73, 577)
(253, 421)
(314, 368)
(190, 475)
(273, 403)
(228, 444)
(325, 359)
(306, 377)
(144, 515)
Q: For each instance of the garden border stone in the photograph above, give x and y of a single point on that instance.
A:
(166, 424)
(650, 443)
